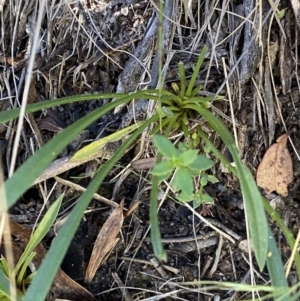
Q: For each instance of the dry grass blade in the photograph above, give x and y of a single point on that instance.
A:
(123, 289)
(275, 171)
(105, 241)
(80, 188)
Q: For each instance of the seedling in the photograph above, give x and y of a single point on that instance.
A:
(20, 272)
(187, 164)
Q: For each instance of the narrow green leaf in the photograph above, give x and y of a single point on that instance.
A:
(287, 233)
(255, 213)
(252, 198)
(210, 147)
(155, 231)
(41, 283)
(12, 114)
(22, 271)
(183, 181)
(165, 147)
(158, 248)
(196, 71)
(185, 129)
(4, 284)
(40, 232)
(297, 294)
(275, 268)
(168, 100)
(4, 265)
(167, 111)
(93, 148)
(28, 279)
(182, 79)
(195, 91)
(31, 108)
(163, 122)
(203, 101)
(166, 121)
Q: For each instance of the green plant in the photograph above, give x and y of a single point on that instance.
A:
(22, 279)
(175, 109)
(187, 164)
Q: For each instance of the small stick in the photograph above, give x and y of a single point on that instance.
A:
(159, 268)
(217, 258)
(223, 227)
(166, 267)
(207, 264)
(126, 295)
(209, 224)
(185, 239)
(77, 187)
(232, 262)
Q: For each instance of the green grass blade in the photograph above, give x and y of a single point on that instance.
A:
(4, 265)
(253, 200)
(42, 281)
(42, 158)
(93, 148)
(155, 231)
(297, 294)
(22, 270)
(164, 122)
(40, 232)
(12, 114)
(287, 233)
(4, 284)
(275, 268)
(217, 153)
(182, 79)
(196, 71)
